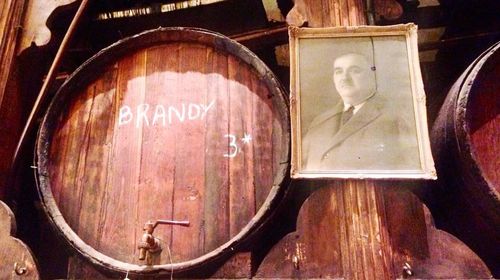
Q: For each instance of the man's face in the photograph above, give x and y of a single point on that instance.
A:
(353, 77)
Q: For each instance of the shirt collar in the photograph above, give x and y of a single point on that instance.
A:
(356, 107)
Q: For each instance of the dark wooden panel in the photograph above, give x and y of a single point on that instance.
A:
(16, 261)
(11, 15)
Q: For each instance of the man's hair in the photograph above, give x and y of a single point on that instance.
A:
(372, 67)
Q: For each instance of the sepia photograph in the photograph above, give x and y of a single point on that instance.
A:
(358, 104)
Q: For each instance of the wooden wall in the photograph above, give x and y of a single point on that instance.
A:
(302, 241)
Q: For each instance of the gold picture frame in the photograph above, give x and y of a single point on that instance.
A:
(383, 133)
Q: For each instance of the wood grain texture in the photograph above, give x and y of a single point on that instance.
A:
(337, 237)
(483, 121)
(360, 229)
(177, 130)
(11, 14)
(464, 142)
(388, 9)
(321, 13)
(13, 252)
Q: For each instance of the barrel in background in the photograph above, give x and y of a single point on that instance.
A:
(466, 145)
(176, 124)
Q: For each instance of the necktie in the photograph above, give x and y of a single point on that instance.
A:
(346, 115)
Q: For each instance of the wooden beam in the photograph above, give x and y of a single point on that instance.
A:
(11, 14)
(262, 38)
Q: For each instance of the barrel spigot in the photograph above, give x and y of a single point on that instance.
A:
(150, 245)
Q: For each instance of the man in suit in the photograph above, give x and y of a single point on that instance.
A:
(363, 132)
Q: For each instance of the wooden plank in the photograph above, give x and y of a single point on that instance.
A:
(187, 242)
(320, 13)
(118, 237)
(216, 212)
(327, 228)
(74, 142)
(364, 255)
(241, 195)
(11, 14)
(93, 183)
(262, 140)
(156, 180)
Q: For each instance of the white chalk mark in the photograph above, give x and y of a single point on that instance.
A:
(142, 109)
(160, 114)
(125, 115)
(194, 111)
(206, 108)
(232, 145)
(180, 115)
(246, 139)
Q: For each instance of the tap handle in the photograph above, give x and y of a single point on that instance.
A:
(170, 222)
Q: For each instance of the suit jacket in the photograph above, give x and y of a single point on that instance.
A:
(375, 138)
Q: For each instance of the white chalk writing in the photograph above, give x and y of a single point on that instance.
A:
(160, 114)
(232, 145)
(234, 149)
(246, 139)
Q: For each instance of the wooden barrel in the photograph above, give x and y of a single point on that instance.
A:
(175, 123)
(466, 145)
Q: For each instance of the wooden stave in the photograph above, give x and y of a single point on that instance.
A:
(466, 204)
(87, 72)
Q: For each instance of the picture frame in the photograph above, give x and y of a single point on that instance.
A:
(383, 133)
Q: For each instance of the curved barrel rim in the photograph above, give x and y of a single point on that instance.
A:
(462, 128)
(84, 74)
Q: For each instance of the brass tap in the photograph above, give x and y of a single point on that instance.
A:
(150, 245)
(148, 242)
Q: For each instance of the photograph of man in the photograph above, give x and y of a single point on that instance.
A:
(365, 130)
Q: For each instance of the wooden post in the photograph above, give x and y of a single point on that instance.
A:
(364, 247)
(360, 229)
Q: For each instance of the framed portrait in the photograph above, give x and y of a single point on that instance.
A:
(358, 103)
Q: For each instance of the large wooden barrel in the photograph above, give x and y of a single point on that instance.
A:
(466, 145)
(175, 123)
